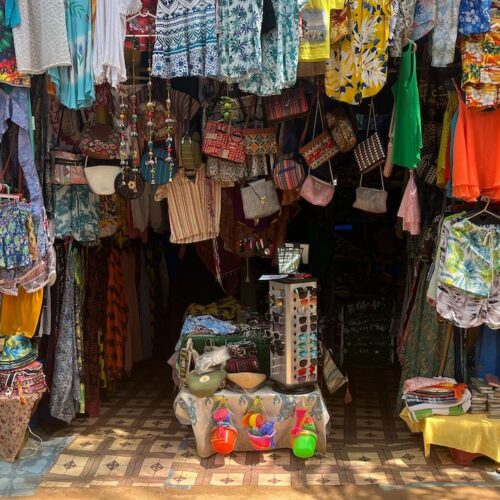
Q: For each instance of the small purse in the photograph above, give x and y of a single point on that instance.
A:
(67, 168)
(339, 24)
(190, 156)
(322, 148)
(129, 184)
(370, 154)
(224, 141)
(288, 175)
(259, 141)
(341, 128)
(260, 199)
(291, 104)
(317, 191)
(370, 199)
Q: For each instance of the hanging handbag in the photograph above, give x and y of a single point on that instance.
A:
(224, 141)
(260, 199)
(101, 178)
(322, 148)
(334, 379)
(67, 168)
(370, 153)
(290, 104)
(288, 174)
(100, 142)
(129, 183)
(317, 191)
(370, 199)
(259, 141)
(341, 128)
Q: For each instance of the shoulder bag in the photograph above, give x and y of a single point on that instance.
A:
(260, 199)
(224, 141)
(341, 128)
(370, 154)
(290, 104)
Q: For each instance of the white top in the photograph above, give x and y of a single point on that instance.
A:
(109, 38)
(41, 40)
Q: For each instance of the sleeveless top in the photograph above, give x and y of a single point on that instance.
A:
(407, 141)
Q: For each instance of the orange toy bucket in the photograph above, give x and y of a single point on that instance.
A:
(224, 439)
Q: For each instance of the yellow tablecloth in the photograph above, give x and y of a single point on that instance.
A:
(470, 433)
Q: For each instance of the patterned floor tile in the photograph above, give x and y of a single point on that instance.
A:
(229, 479)
(164, 446)
(364, 459)
(182, 478)
(130, 412)
(113, 465)
(459, 475)
(407, 458)
(69, 465)
(56, 484)
(273, 479)
(278, 457)
(419, 476)
(363, 478)
(157, 423)
(97, 482)
(322, 479)
(125, 444)
(155, 468)
(142, 402)
(235, 458)
(86, 443)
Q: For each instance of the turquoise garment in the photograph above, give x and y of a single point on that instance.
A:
(280, 52)
(75, 84)
(12, 16)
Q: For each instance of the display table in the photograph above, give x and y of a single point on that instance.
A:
(14, 419)
(474, 434)
(197, 412)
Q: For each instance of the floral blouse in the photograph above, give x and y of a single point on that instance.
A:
(474, 17)
(358, 63)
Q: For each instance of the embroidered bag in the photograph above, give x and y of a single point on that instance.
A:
(341, 128)
(67, 168)
(322, 148)
(291, 104)
(224, 141)
(100, 142)
(370, 154)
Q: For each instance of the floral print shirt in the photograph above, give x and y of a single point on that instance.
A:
(424, 18)
(358, 63)
(474, 17)
(280, 52)
(444, 36)
(240, 50)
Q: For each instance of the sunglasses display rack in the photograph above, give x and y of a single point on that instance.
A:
(294, 334)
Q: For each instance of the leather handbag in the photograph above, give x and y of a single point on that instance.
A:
(322, 148)
(290, 104)
(260, 199)
(67, 168)
(341, 128)
(224, 141)
(370, 154)
(288, 174)
(317, 191)
(370, 199)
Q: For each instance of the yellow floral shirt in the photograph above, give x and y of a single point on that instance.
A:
(358, 63)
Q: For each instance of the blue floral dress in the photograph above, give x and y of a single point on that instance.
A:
(280, 52)
(240, 50)
(474, 17)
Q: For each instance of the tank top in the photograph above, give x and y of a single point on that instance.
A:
(407, 140)
(476, 153)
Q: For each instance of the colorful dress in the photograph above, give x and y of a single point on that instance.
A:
(8, 65)
(240, 49)
(75, 84)
(186, 39)
(474, 17)
(358, 64)
(280, 52)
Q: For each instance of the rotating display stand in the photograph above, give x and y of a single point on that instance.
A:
(294, 335)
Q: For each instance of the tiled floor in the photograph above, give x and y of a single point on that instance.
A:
(137, 442)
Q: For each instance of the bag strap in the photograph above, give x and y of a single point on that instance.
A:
(371, 116)
(332, 180)
(381, 179)
(313, 109)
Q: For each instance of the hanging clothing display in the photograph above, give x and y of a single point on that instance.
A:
(279, 52)
(239, 36)
(403, 25)
(424, 18)
(20, 314)
(357, 67)
(41, 39)
(407, 136)
(186, 39)
(75, 84)
(474, 17)
(194, 207)
(444, 35)
(108, 60)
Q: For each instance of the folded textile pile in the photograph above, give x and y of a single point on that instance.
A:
(487, 391)
(435, 396)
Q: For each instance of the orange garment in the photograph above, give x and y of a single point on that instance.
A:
(20, 314)
(476, 154)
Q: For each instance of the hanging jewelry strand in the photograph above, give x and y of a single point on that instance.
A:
(151, 162)
(169, 141)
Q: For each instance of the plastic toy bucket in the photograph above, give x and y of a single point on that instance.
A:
(262, 443)
(304, 445)
(224, 439)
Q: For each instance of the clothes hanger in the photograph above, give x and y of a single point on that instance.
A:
(487, 201)
(6, 195)
(142, 13)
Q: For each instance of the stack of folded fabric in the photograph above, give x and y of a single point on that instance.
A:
(480, 390)
(493, 396)
(435, 396)
(20, 373)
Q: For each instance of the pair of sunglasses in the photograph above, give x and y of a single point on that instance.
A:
(273, 335)
(306, 310)
(308, 301)
(305, 328)
(277, 318)
(303, 337)
(304, 319)
(275, 301)
(303, 292)
(278, 347)
(304, 362)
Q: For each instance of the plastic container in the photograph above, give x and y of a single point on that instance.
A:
(304, 445)
(262, 443)
(224, 439)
